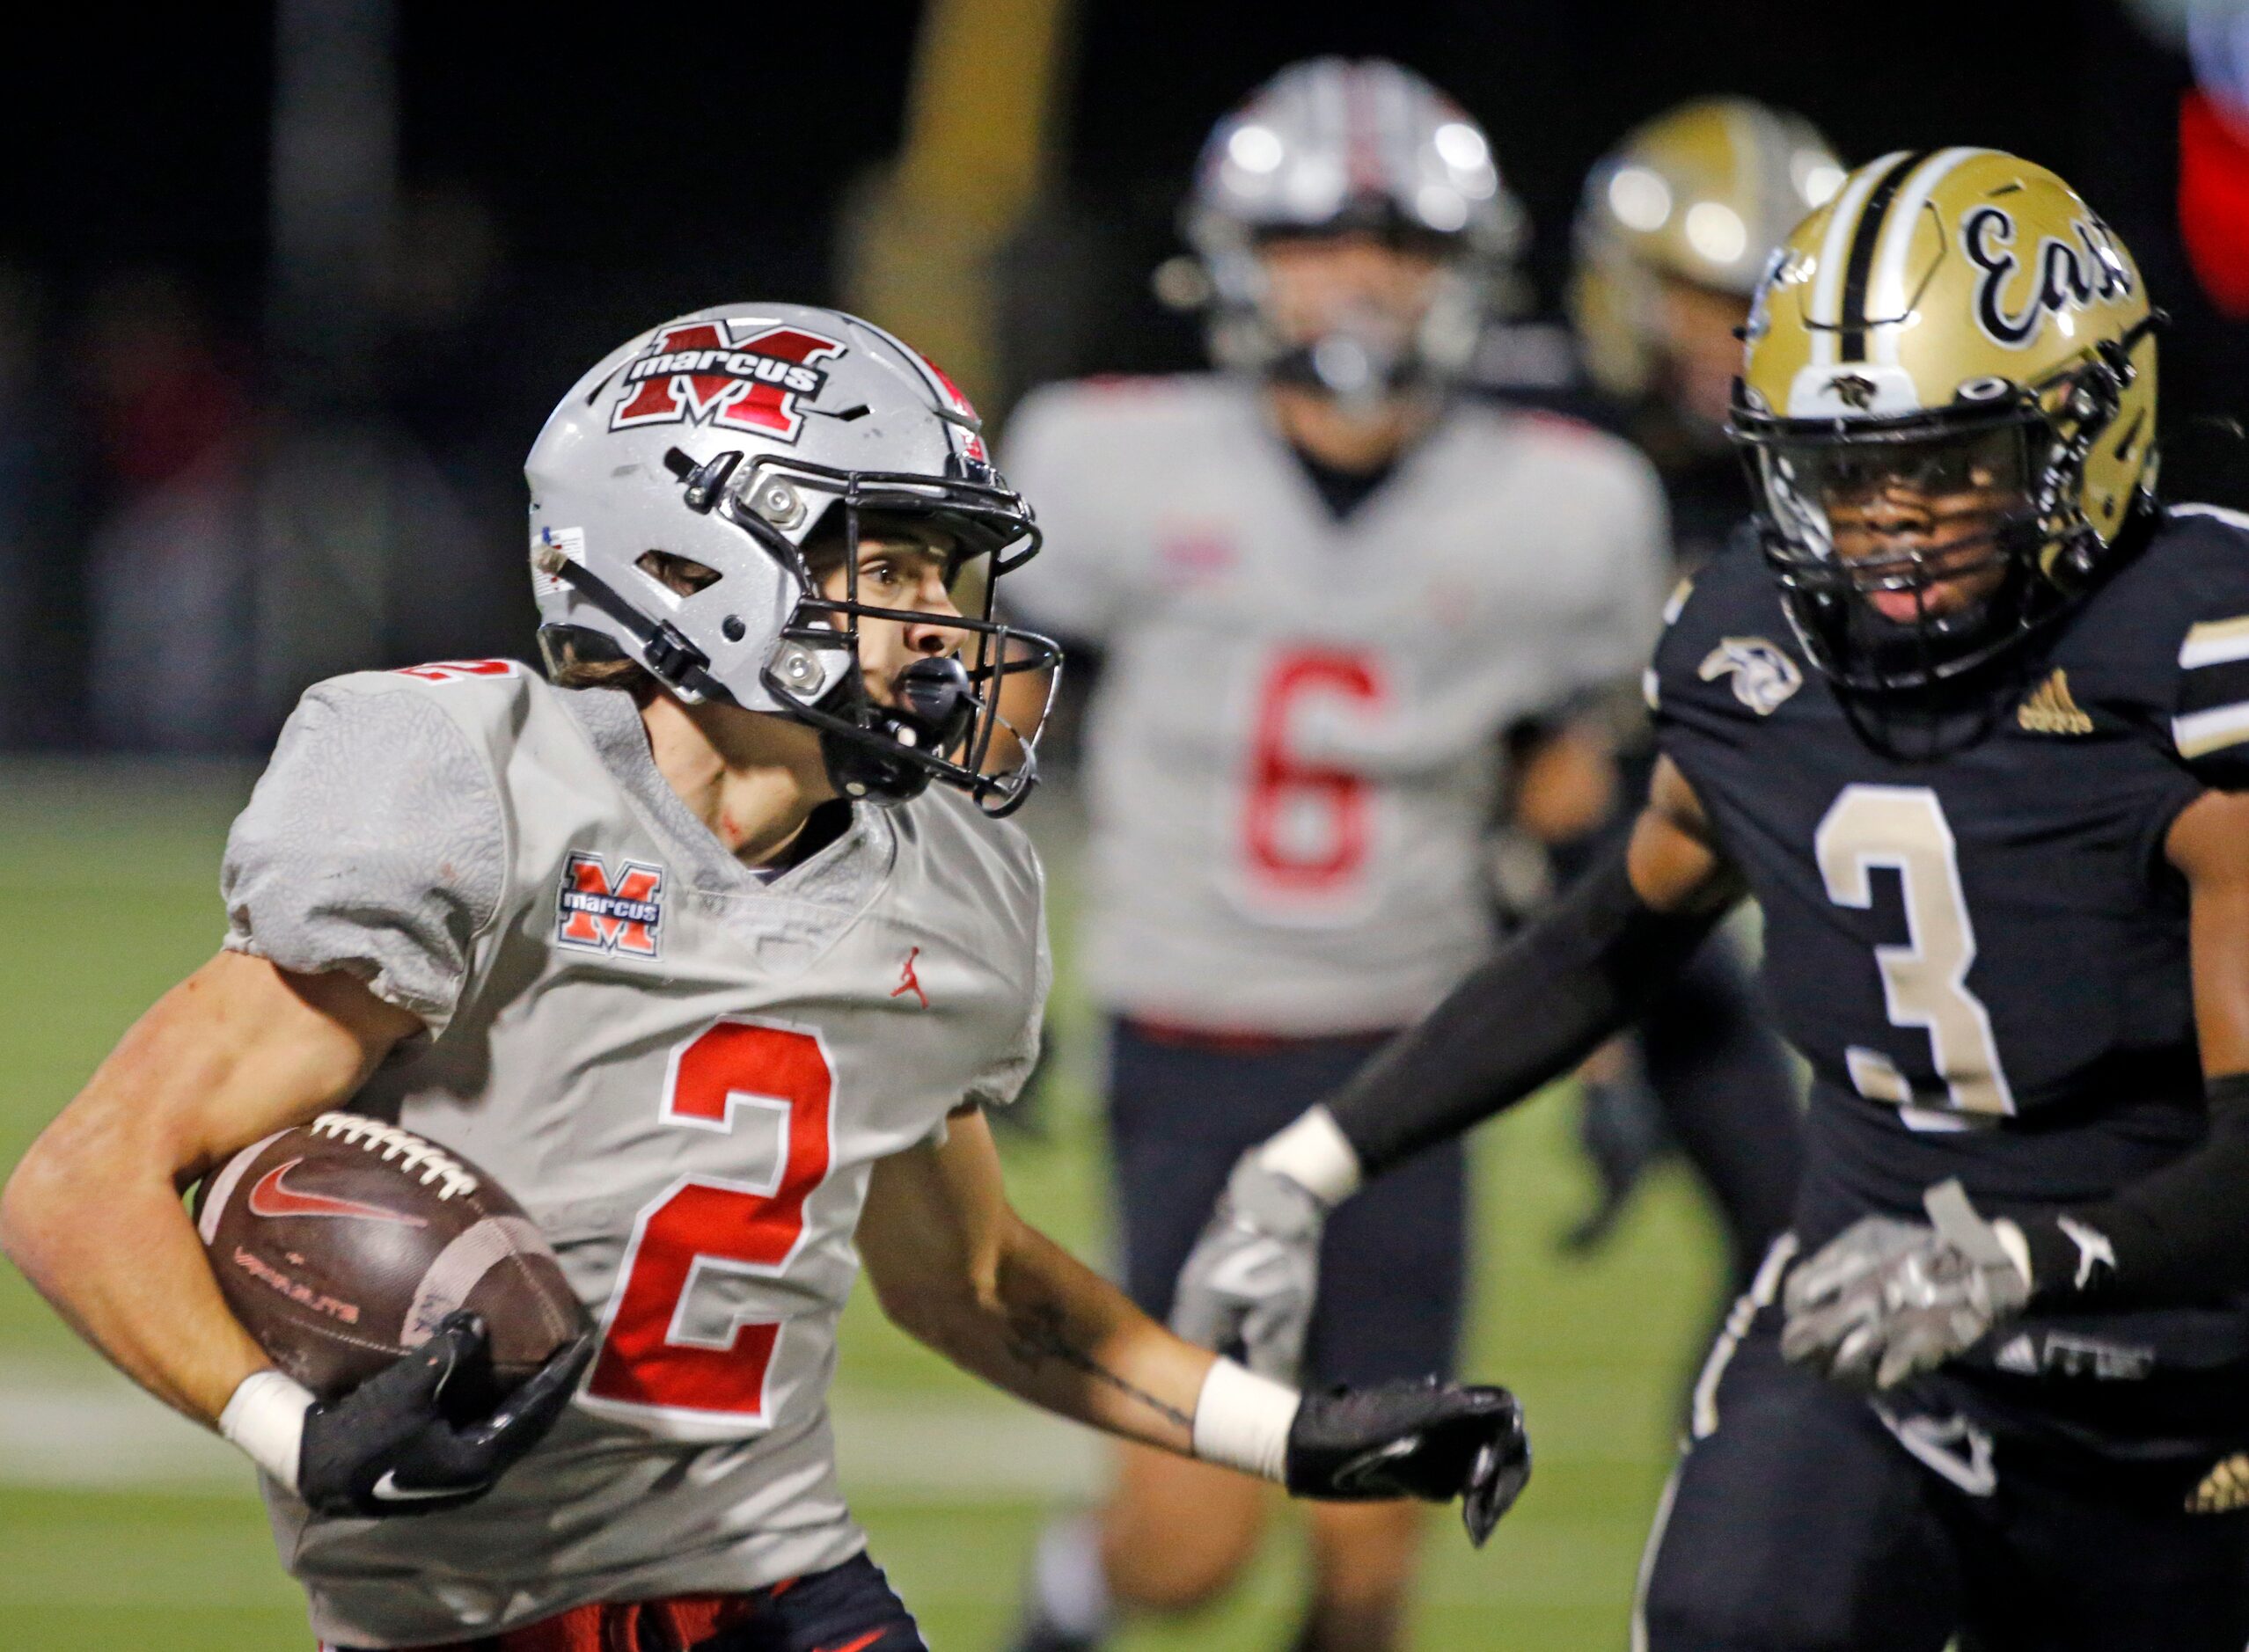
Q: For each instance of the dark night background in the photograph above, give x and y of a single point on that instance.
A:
(564, 183)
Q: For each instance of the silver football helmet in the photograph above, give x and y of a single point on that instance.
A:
(1330, 146)
(727, 439)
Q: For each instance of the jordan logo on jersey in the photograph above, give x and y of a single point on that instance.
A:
(909, 980)
(1763, 677)
(596, 914)
(2050, 709)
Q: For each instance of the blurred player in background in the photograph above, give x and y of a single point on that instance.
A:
(688, 948)
(1326, 587)
(1974, 730)
(1675, 226)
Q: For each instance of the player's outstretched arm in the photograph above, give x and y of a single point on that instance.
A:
(93, 1214)
(1886, 1301)
(1554, 994)
(954, 1266)
(2179, 1235)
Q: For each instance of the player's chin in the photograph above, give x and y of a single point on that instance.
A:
(1945, 594)
(1908, 607)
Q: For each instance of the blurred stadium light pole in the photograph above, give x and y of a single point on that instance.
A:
(922, 237)
(324, 515)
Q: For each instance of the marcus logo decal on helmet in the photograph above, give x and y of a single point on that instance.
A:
(700, 496)
(1947, 406)
(721, 374)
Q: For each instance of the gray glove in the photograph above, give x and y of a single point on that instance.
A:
(1886, 1300)
(1249, 1283)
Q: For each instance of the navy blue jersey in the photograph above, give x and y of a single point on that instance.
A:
(1972, 933)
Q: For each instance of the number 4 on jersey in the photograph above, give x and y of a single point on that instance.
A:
(652, 1358)
(1925, 982)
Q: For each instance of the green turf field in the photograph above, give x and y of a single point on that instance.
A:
(118, 1528)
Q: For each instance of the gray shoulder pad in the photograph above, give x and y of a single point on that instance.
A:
(375, 844)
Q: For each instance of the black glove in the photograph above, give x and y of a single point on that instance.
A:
(1426, 1439)
(414, 1438)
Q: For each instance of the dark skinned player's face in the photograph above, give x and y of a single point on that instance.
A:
(1949, 534)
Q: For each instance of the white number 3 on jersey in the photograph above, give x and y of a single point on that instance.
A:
(1925, 982)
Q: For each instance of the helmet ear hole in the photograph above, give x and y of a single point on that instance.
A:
(682, 576)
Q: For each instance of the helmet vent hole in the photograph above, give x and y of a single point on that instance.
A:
(682, 576)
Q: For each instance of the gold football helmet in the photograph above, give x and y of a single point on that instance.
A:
(1700, 195)
(1948, 410)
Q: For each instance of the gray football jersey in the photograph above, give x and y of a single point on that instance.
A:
(683, 1074)
(1293, 751)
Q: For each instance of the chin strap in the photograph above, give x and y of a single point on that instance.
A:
(938, 706)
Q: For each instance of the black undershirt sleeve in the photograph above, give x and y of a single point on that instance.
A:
(1552, 995)
(2179, 1235)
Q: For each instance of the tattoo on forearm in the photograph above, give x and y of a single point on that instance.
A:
(1039, 1333)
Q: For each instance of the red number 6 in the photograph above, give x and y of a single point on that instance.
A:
(1306, 826)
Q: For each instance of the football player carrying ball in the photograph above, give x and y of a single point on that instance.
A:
(682, 944)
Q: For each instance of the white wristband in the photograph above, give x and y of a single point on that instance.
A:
(1314, 1154)
(1242, 1420)
(266, 1419)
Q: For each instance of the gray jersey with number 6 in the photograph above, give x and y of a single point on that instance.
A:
(683, 1073)
(1295, 749)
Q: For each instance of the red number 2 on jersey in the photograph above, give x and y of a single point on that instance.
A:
(1307, 826)
(649, 1355)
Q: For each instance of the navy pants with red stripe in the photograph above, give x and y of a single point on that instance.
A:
(848, 1608)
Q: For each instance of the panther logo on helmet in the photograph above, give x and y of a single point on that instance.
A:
(1854, 390)
(731, 375)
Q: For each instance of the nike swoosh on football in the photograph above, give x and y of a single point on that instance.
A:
(387, 1490)
(274, 1197)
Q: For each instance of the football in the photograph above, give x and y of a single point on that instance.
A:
(342, 1244)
